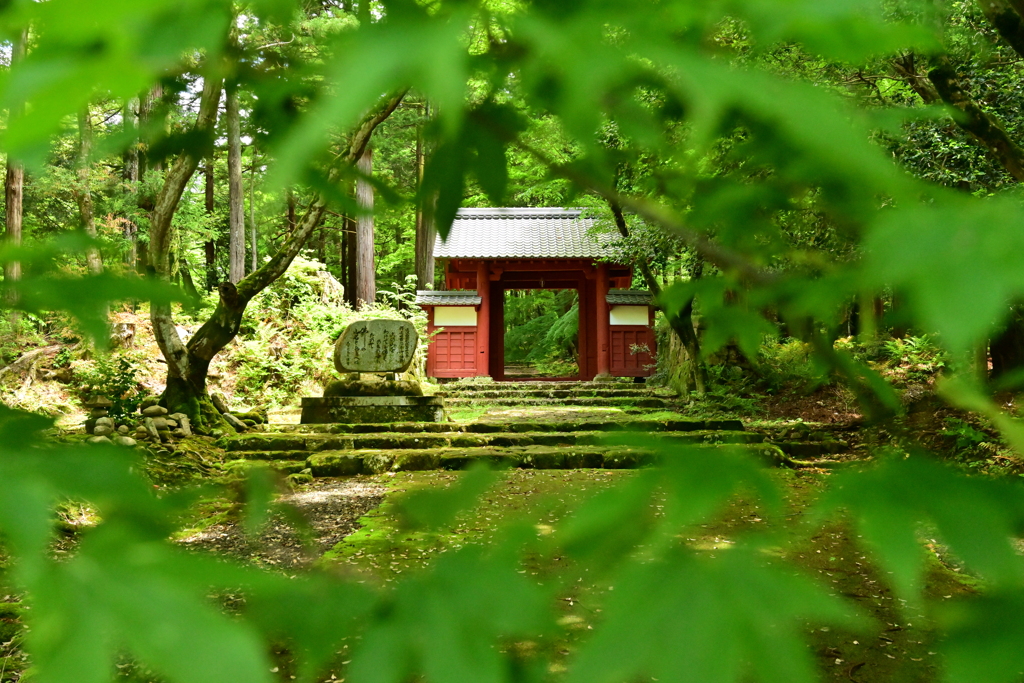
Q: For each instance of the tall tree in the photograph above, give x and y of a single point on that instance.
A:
(253, 242)
(14, 183)
(426, 230)
(210, 245)
(187, 365)
(82, 190)
(130, 175)
(366, 273)
(236, 211)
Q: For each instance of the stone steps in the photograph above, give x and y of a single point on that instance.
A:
(589, 425)
(282, 446)
(340, 463)
(600, 401)
(457, 387)
(590, 392)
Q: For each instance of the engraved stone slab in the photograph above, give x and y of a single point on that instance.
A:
(376, 346)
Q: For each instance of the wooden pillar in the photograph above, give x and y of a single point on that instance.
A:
(483, 320)
(603, 333)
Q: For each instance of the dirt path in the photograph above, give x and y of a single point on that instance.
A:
(331, 507)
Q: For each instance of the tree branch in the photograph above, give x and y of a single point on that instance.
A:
(976, 121)
(1005, 16)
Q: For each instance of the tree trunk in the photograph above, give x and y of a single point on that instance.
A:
(291, 210)
(426, 229)
(1007, 348)
(680, 321)
(236, 214)
(131, 177)
(83, 189)
(366, 274)
(14, 188)
(350, 262)
(182, 393)
(252, 214)
(210, 246)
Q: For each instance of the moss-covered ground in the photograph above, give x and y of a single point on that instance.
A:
(899, 647)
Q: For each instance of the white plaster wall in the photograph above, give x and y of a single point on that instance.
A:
(454, 316)
(628, 315)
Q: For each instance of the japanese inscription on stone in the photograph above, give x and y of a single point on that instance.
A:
(376, 346)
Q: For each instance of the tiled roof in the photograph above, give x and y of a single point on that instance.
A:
(430, 297)
(629, 297)
(520, 233)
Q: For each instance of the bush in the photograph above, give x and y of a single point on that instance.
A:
(116, 379)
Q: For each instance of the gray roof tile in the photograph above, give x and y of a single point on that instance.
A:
(521, 233)
(430, 297)
(629, 297)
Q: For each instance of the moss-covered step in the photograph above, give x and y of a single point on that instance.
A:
(639, 402)
(637, 425)
(348, 463)
(556, 393)
(459, 387)
(240, 467)
(281, 445)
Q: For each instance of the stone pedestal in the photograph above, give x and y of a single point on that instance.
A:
(372, 409)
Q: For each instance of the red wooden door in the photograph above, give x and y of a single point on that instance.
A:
(453, 353)
(633, 350)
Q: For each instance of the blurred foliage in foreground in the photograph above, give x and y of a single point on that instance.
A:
(727, 124)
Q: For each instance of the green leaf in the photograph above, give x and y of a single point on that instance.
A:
(957, 262)
(888, 504)
(313, 614)
(447, 624)
(985, 641)
(729, 617)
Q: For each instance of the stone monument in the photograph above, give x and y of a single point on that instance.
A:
(379, 347)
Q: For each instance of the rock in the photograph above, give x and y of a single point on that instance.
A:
(102, 430)
(126, 441)
(101, 402)
(376, 346)
(178, 433)
(148, 402)
(150, 428)
(99, 440)
(105, 422)
(98, 412)
(159, 422)
(372, 387)
(235, 422)
(217, 433)
(140, 432)
(64, 375)
(219, 402)
(171, 424)
(186, 425)
(300, 478)
(177, 417)
(259, 416)
(154, 411)
(123, 430)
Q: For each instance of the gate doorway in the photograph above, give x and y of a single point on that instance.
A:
(540, 334)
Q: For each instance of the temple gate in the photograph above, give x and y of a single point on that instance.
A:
(489, 251)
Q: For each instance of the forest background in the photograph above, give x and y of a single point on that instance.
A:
(825, 174)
